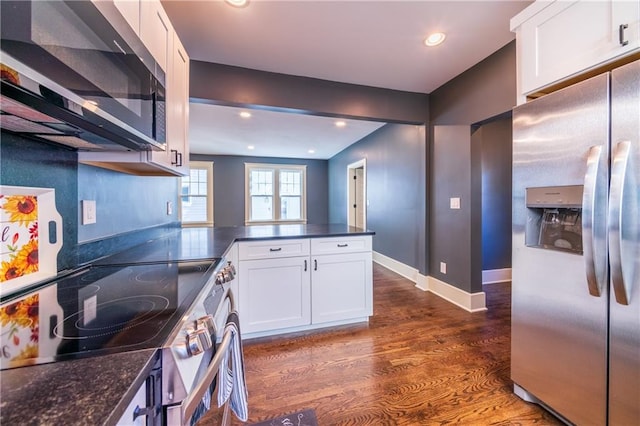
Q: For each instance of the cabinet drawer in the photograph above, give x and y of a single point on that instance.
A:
(273, 249)
(335, 245)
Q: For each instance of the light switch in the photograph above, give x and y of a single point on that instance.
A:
(88, 212)
(454, 203)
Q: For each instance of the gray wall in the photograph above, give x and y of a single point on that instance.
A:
(130, 209)
(486, 90)
(228, 190)
(495, 138)
(24, 162)
(451, 233)
(124, 203)
(402, 236)
(396, 190)
(224, 84)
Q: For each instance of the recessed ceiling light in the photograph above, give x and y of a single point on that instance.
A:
(434, 39)
(245, 114)
(312, 151)
(251, 147)
(340, 123)
(237, 3)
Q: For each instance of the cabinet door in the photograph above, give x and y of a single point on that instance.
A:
(176, 156)
(566, 38)
(342, 287)
(155, 31)
(130, 10)
(274, 293)
(179, 126)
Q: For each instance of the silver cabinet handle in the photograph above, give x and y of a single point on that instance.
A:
(589, 213)
(621, 39)
(616, 191)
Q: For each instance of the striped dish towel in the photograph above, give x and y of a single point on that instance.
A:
(231, 374)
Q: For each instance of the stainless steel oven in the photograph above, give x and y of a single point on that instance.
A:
(191, 361)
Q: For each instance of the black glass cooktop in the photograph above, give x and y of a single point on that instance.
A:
(99, 310)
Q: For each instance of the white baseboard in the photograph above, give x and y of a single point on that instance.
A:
(492, 276)
(471, 302)
(399, 268)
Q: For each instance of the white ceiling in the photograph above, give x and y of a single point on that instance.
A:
(272, 134)
(373, 43)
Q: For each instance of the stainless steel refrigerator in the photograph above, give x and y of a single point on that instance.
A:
(576, 250)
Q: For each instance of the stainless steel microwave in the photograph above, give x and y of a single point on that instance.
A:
(75, 73)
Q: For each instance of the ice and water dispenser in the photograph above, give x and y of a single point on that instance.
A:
(554, 218)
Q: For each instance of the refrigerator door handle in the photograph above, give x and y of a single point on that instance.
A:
(589, 199)
(618, 173)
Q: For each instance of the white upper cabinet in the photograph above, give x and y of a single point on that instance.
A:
(176, 156)
(130, 10)
(561, 39)
(156, 31)
(150, 22)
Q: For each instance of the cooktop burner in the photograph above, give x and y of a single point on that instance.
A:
(147, 307)
(101, 309)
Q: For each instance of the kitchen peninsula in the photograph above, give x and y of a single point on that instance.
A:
(98, 389)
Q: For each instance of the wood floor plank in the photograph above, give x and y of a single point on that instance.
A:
(419, 361)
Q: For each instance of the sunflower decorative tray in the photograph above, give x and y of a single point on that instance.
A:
(30, 236)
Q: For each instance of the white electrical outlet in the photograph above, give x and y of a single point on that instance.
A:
(169, 208)
(88, 212)
(454, 202)
(443, 268)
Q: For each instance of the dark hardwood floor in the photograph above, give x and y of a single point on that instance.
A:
(419, 361)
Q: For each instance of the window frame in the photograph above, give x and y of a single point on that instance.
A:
(199, 165)
(275, 168)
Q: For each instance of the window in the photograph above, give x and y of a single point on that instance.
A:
(196, 195)
(275, 193)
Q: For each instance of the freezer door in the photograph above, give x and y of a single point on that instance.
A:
(559, 317)
(624, 240)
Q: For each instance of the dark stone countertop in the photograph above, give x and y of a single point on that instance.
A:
(271, 232)
(87, 391)
(97, 390)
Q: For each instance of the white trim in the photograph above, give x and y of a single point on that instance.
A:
(350, 196)
(398, 267)
(471, 302)
(492, 276)
(275, 168)
(199, 165)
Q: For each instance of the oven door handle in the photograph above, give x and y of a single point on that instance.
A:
(192, 401)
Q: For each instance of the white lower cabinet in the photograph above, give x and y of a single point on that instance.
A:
(274, 293)
(341, 287)
(331, 284)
